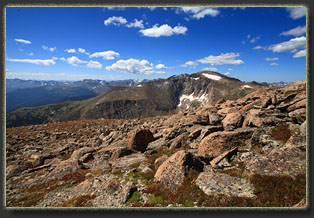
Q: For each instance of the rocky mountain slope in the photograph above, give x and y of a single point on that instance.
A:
(32, 93)
(152, 98)
(249, 152)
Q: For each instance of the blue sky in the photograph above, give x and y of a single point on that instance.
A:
(265, 44)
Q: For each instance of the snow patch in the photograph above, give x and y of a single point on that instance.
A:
(139, 86)
(196, 78)
(213, 77)
(191, 98)
(246, 86)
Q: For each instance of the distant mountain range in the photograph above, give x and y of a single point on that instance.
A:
(33, 93)
(130, 99)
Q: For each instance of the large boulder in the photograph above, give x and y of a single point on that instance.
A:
(290, 159)
(298, 115)
(171, 173)
(218, 142)
(257, 118)
(218, 183)
(232, 121)
(139, 139)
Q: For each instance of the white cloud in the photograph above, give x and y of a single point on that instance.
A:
(227, 73)
(271, 59)
(75, 61)
(106, 55)
(296, 12)
(62, 59)
(81, 50)
(49, 49)
(70, 50)
(248, 36)
(273, 64)
(300, 30)
(134, 66)
(47, 62)
(23, 41)
(292, 45)
(150, 8)
(54, 58)
(31, 54)
(230, 69)
(190, 64)
(258, 47)
(228, 58)
(115, 8)
(210, 69)
(94, 64)
(136, 23)
(115, 21)
(160, 66)
(301, 53)
(163, 30)
(200, 12)
(255, 39)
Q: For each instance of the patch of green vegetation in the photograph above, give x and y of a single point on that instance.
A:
(135, 198)
(152, 199)
(281, 132)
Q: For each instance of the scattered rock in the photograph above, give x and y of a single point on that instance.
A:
(179, 142)
(172, 172)
(218, 142)
(139, 139)
(232, 121)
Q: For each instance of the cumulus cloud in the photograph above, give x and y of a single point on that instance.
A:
(300, 30)
(106, 55)
(222, 59)
(200, 12)
(190, 64)
(47, 62)
(23, 41)
(227, 73)
(258, 47)
(160, 66)
(54, 58)
(293, 45)
(134, 66)
(83, 51)
(49, 49)
(296, 12)
(31, 54)
(117, 21)
(163, 30)
(210, 69)
(136, 24)
(271, 59)
(273, 64)
(299, 54)
(94, 64)
(70, 50)
(75, 61)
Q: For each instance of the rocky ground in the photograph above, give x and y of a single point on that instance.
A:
(250, 152)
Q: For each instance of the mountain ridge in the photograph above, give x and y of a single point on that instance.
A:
(151, 98)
